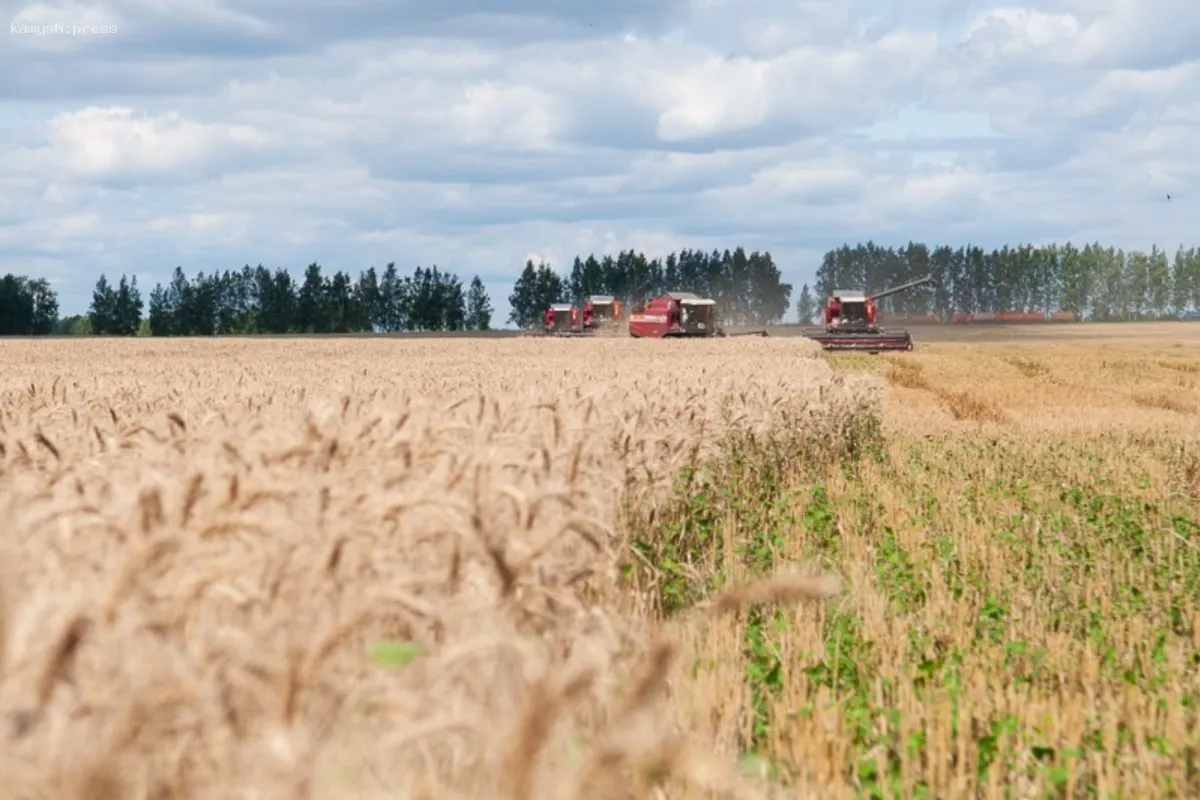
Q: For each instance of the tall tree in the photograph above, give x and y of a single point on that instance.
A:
(310, 306)
(806, 306)
(393, 301)
(159, 312)
(368, 302)
(28, 307)
(103, 310)
(45, 305)
(127, 308)
(479, 307)
(536, 289)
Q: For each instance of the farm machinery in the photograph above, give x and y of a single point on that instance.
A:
(679, 315)
(562, 319)
(850, 321)
(602, 311)
(566, 320)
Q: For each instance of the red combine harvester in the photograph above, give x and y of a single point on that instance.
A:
(600, 311)
(679, 315)
(850, 322)
(562, 319)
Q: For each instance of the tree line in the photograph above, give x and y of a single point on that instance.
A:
(256, 300)
(1099, 283)
(1103, 284)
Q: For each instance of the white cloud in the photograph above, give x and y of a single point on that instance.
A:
(99, 143)
(209, 136)
(1015, 32)
(714, 96)
(510, 117)
(800, 180)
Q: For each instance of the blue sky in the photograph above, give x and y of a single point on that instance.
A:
(210, 135)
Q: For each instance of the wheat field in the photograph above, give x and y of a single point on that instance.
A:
(367, 568)
(606, 568)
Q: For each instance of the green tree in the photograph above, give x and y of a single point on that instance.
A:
(73, 325)
(310, 306)
(539, 287)
(479, 307)
(28, 307)
(103, 310)
(180, 301)
(338, 302)
(159, 312)
(126, 309)
(806, 306)
(526, 299)
(274, 298)
(368, 301)
(393, 301)
(766, 296)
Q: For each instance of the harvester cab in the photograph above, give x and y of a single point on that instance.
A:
(850, 319)
(849, 310)
(695, 316)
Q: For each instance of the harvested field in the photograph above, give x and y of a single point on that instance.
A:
(1156, 334)
(1022, 571)
(537, 568)
(373, 568)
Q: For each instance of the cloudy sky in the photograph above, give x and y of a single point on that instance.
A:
(473, 136)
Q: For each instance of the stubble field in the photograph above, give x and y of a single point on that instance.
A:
(522, 568)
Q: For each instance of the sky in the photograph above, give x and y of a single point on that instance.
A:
(139, 135)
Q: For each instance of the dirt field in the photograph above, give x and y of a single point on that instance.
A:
(608, 568)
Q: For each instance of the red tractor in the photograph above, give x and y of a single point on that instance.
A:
(679, 315)
(850, 319)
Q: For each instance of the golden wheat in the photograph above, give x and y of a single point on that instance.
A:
(203, 538)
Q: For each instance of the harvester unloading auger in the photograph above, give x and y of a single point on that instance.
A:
(850, 321)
